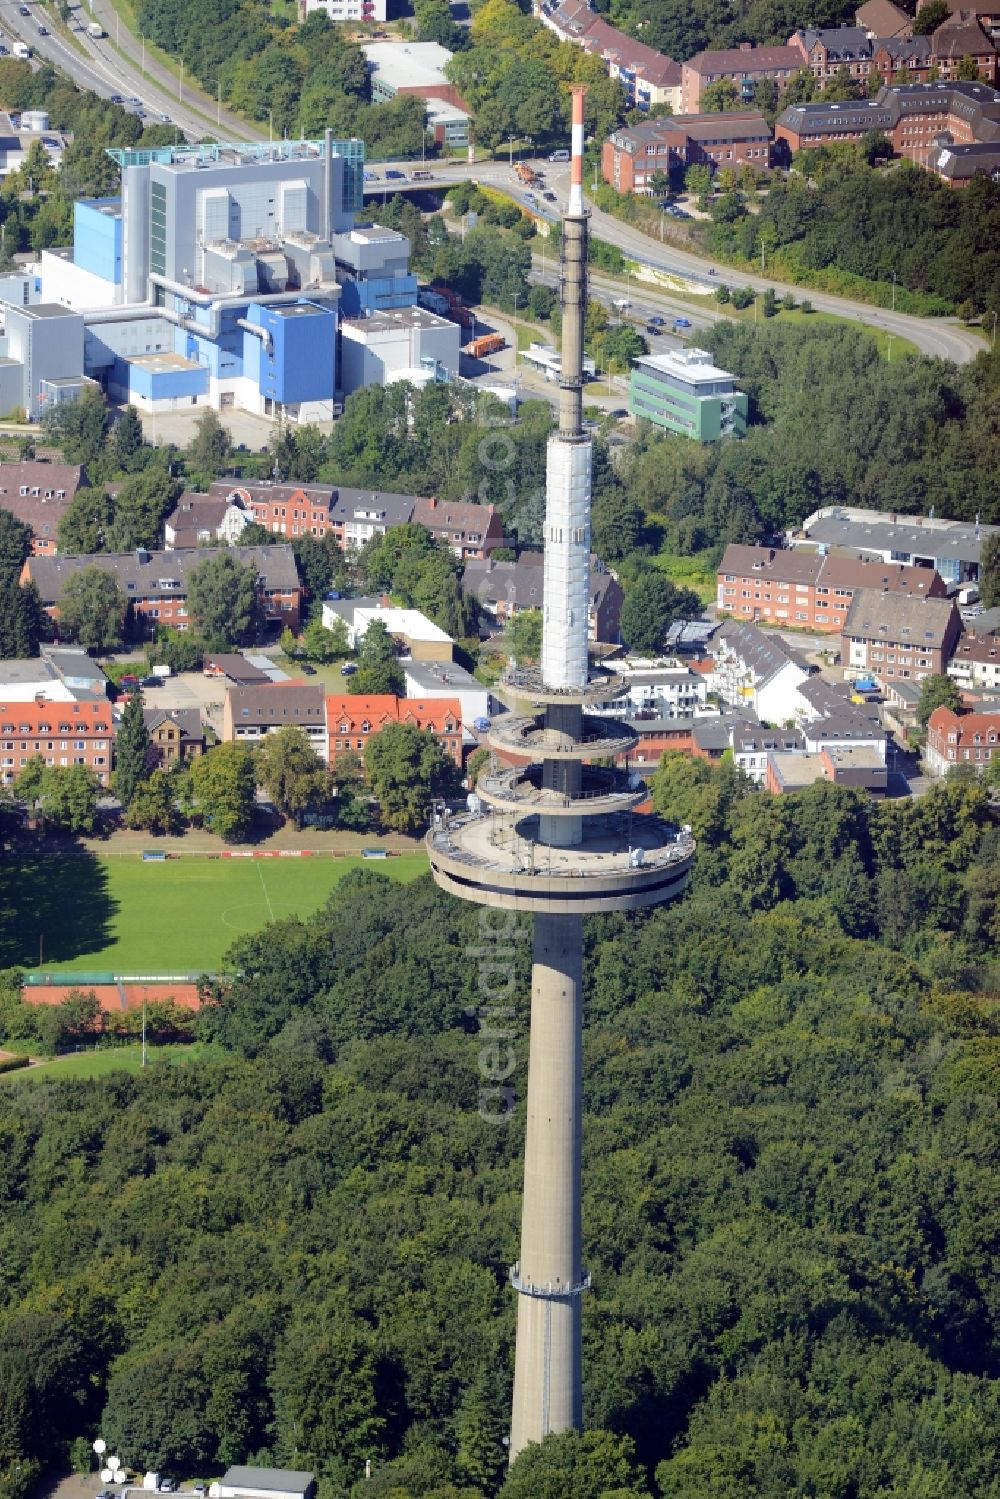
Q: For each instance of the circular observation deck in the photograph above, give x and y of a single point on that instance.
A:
(524, 684)
(519, 790)
(525, 736)
(625, 862)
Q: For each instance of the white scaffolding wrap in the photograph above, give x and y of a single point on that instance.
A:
(567, 562)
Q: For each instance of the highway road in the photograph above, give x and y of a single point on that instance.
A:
(943, 338)
(106, 72)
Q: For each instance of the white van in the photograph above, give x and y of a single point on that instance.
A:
(96, 30)
(22, 50)
(558, 156)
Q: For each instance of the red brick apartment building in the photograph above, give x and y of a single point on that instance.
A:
(155, 584)
(961, 739)
(744, 65)
(351, 720)
(61, 733)
(950, 128)
(470, 531)
(351, 516)
(632, 154)
(898, 637)
(39, 494)
(809, 590)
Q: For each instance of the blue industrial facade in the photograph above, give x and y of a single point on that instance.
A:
(374, 293)
(148, 384)
(97, 237)
(295, 359)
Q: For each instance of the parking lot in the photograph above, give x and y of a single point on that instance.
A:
(192, 690)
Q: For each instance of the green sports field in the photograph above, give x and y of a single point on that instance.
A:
(181, 916)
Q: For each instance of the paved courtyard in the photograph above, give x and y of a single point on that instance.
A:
(192, 690)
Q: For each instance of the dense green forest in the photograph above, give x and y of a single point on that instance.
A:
(297, 1252)
(839, 218)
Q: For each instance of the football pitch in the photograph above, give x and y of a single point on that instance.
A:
(124, 916)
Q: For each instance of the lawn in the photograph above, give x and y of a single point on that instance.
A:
(94, 913)
(91, 1064)
(688, 572)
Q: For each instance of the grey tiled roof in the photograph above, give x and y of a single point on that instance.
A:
(900, 617)
(138, 573)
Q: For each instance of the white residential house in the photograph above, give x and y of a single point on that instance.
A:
(757, 671)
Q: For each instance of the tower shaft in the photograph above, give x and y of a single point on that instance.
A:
(548, 1374)
(556, 838)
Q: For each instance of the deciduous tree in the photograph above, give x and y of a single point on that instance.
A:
(291, 774)
(131, 751)
(224, 786)
(224, 601)
(937, 691)
(407, 769)
(652, 603)
(92, 609)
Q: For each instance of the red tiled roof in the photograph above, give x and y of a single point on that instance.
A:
(58, 718)
(442, 715)
(946, 720)
(109, 996)
(354, 710)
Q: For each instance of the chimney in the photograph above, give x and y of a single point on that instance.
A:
(576, 154)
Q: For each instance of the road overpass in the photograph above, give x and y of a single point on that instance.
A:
(941, 338)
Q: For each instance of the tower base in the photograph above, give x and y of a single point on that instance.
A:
(549, 1279)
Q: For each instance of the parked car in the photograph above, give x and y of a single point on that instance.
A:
(348, 669)
(151, 681)
(549, 197)
(306, 669)
(117, 99)
(167, 1486)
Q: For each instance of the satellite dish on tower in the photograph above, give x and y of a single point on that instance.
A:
(106, 1475)
(114, 1463)
(100, 1446)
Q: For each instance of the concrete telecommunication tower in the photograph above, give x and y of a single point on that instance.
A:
(559, 838)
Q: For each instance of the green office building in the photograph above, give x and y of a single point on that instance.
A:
(684, 392)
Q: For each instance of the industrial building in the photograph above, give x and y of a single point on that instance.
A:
(950, 547)
(684, 392)
(220, 277)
